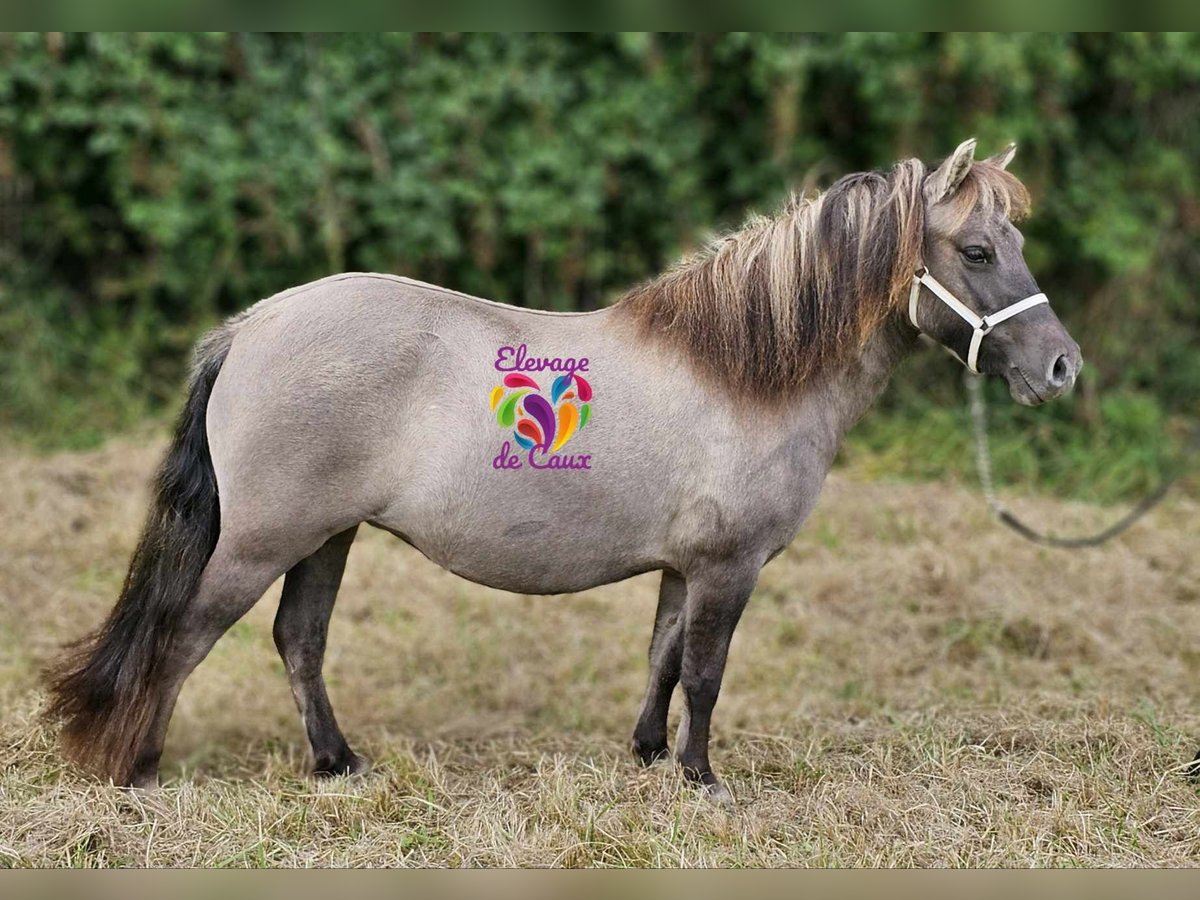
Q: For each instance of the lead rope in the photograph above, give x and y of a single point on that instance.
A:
(983, 463)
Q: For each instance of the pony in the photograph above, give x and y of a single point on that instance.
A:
(684, 429)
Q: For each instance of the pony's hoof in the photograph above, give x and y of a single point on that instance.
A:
(719, 794)
(147, 782)
(710, 786)
(649, 753)
(144, 777)
(348, 764)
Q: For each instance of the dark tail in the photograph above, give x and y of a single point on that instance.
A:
(106, 687)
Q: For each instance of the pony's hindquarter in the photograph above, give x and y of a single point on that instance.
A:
(106, 687)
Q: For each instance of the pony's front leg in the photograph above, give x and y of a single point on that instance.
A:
(715, 600)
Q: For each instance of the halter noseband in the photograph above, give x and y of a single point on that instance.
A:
(981, 324)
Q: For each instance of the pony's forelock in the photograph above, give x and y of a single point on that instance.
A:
(988, 189)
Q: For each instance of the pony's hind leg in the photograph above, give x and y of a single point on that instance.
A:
(666, 656)
(301, 627)
(236, 576)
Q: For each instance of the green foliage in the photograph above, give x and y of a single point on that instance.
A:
(151, 183)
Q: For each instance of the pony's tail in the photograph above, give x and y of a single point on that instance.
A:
(105, 689)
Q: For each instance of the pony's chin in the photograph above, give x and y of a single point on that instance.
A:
(1021, 390)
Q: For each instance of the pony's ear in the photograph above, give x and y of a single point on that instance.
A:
(1004, 157)
(950, 174)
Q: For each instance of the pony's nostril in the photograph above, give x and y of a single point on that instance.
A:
(1060, 372)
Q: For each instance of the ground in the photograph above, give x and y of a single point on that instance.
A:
(910, 685)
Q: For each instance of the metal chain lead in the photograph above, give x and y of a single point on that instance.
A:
(983, 463)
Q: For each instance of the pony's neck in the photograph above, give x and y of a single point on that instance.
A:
(847, 394)
(786, 303)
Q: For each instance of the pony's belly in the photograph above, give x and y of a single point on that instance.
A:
(534, 558)
(528, 531)
(561, 581)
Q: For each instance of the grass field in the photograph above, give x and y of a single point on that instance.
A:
(910, 686)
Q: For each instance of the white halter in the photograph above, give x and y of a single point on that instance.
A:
(982, 324)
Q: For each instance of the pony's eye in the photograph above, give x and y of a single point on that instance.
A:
(975, 254)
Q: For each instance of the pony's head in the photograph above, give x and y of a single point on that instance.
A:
(766, 309)
(974, 293)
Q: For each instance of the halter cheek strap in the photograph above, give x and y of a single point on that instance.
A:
(981, 325)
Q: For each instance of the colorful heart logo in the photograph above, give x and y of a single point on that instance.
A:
(537, 422)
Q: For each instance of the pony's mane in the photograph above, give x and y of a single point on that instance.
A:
(770, 306)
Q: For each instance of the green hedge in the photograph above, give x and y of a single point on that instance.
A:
(151, 183)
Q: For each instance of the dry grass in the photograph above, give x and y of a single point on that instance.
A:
(910, 686)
